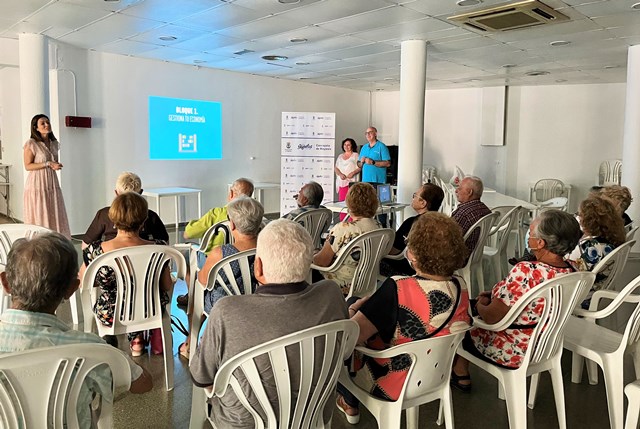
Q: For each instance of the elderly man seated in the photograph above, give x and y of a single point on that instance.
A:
(197, 228)
(309, 198)
(471, 209)
(102, 228)
(40, 273)
(282, 304)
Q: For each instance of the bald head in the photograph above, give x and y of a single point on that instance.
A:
(241, 186)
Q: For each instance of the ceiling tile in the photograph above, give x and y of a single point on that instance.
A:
(425, 29)
(605, 8)
(270, 7)
(182, 34)
(378, 18)
(169, 11)
(109, 6)
(329, 10)
(261, 28)
(441, 8)
(127, 47)
(22, 9)
(359, 51)
(165, 53)
(327, 45)
(114, 27)
(207, 43)
(220, 17)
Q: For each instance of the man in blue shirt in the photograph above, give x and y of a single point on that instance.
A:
(374, 158)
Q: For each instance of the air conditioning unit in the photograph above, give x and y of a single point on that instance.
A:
(509, 16)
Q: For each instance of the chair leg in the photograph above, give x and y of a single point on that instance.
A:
(633, 409)
(167, 350)
(577, 363)
(198, 408)
(516, 395)
(74, 301)
(480, 277)
(592, 371)
(558, 394)
(412, 416)
(614, 386)
(533, 390)
(500, 391)
(497, 268)
(446, 406)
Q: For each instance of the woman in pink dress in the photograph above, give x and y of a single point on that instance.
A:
(43, 202)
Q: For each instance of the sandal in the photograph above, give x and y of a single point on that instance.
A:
(342, 405)
(184, 350)
(137, 346)
(456, 379)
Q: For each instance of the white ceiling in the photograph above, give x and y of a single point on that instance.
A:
(351, 43)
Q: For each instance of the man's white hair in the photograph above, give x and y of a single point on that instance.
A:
(476, 186)
(286, 251)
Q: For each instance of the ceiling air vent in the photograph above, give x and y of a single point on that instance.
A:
(509, 16)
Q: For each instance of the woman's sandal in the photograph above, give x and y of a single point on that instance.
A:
(455, 382)
(342, 405)
(184, 350)
(137, 346)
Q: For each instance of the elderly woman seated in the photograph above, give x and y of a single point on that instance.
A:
(551, 236)
(128, 213)
(245, 221)
(602, 231)
(362, 202)
(621, 195)
(433, 302)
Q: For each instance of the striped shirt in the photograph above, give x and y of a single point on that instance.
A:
(25, 330)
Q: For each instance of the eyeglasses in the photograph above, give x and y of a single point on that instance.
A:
(418, 196)
(369, 132)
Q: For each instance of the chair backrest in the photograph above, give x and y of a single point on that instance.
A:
(545, 189)
(429, 173)
(14, 231)
(611, 266)
(215, 229)
(507, 218)
(431, 361)
(137, 272)
(316, 222)
(610, 172)
(631, 234)
(450, 201)
(39, 388)
(229, 282)
(559, 203)
(483, 228)
(372, 246)
(318, 352)
(561, 295)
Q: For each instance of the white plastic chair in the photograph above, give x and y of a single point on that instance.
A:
(561, 295)
(427, 380)
(474, 263)
(9, 233)
(546, 189)
(316, 222)
(230, 286)
(610, 172)
(631, 234)
(612, 265)
(372, 246)
(39, 388)
(195, 250)
(429, 173)
(318, 352)
(495, 252)
(632, 390)
(137, 271)
(605, 347)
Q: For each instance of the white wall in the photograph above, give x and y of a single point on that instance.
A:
(561, 131)
(114, 91)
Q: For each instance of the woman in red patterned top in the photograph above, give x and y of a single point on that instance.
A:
(404, 309)
(552, 235)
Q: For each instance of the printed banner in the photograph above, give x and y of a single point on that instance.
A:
(307, 148)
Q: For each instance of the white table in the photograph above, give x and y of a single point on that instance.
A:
(176, 193)
(398, 209)
(259, 188)
(496, 199)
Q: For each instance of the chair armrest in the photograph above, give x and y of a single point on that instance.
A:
(617, 300)
(498, 326)
(382, 354)
(182, 246)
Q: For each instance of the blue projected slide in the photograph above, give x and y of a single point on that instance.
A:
(184, 129)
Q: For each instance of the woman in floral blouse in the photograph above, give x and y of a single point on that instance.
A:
(552, 235)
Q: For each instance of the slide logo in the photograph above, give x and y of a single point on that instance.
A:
(181, 129)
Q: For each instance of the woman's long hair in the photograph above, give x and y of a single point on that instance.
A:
(35, 134)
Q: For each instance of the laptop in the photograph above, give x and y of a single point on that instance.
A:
(384, 195)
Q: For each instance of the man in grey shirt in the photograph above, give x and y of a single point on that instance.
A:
(284, 303)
